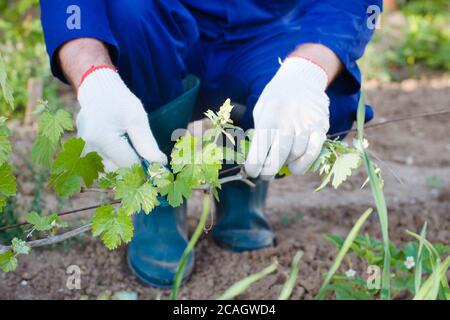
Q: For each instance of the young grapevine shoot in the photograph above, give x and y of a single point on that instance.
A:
(195, 164)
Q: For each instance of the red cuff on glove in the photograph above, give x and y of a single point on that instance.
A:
(92, 69)
(296, 55)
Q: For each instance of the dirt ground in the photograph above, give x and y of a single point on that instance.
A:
(414, 150)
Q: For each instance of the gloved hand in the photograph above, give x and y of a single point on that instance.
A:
(291, 120)
(109, 110)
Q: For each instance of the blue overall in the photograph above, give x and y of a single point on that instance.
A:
(233, 46)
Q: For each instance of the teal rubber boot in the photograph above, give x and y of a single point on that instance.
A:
(161, 237)
(242, 225)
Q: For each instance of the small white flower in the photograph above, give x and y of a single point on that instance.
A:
(360, 145)
(224, 113)
(409, 262)
(350, 273)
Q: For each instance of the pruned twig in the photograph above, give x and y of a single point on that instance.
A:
(61, 214)
(52, 240)
(98, 190)
(240, 176)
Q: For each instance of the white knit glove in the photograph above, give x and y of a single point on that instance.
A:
(291, 120)
(109, 110)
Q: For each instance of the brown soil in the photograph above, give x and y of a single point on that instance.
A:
(414, 150)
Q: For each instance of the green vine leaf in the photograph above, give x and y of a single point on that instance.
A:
(194, 168)
(5, 149)
(205, 167)
(52, 124)
(20, 247)
(42, 151)
(343, 167)
(175, 191)
(69, 167)
(5, 145)
(8, 186)
(113, 228)
(42, 223)
(8, 261)
(160, 175)
(4, 130)
(335, 163)
(135, 192)
(183, 153)
(108, 180)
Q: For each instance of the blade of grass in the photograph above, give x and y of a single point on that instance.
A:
(418, 271)
(242, 285)
(434, 258)
(434, 291)
(197, 233)
(342, 252)
(361, 117)
(290, 282)
(380, 203)
(428, 290)
(433, 252)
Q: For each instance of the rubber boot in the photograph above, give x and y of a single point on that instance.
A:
(242, 225)
(161, 236)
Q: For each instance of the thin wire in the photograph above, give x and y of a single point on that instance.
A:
(381, 123)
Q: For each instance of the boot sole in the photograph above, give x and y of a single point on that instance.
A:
(227, 247)
(154, 284)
